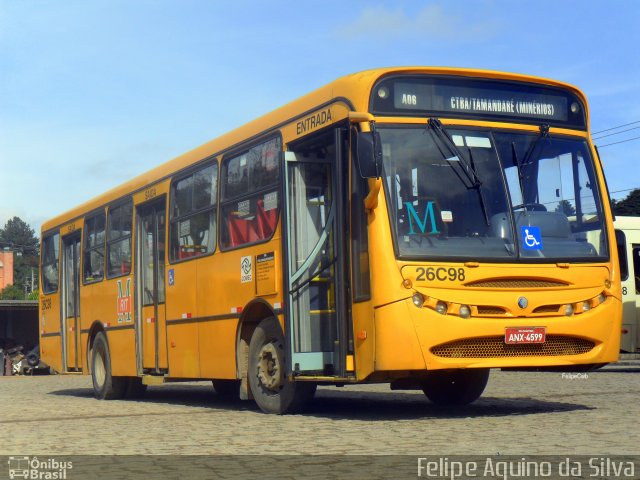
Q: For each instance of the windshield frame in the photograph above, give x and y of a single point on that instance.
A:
(517, 258)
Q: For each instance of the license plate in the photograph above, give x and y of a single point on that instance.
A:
(517, 335)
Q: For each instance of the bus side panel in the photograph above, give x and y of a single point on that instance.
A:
(182, 337)
(221, 293)
(217, 348)
(123, 353)
(50, 346)
(183, 350)
(397, 345)
(97, 303)
(364, 338)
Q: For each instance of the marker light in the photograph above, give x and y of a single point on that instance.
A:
(465, 311)
(575, 107)
(383, 92)
(586, 306)
(568, 310)
(441, 308)
(418, 300)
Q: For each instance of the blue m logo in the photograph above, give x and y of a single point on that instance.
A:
(422, 224)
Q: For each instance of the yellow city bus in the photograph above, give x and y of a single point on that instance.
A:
(413, 226)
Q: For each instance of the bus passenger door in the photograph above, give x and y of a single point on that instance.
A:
(635, 251)
(315, 256)
(71, 302)
(150, 289)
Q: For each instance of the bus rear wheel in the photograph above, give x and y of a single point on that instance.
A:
(105, 385)
(455, 387)
(271, 389)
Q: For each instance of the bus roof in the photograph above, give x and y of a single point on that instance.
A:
(355, 87)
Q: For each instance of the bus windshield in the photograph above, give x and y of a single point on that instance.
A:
(512, 195)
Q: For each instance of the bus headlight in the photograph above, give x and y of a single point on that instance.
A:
(441, 308)
(418, 299)
(586, 306)
(568, 310)
(601, 298)
(465, 311)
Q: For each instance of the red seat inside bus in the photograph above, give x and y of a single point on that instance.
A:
(252, 228)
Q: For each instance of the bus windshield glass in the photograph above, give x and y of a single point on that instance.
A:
(463, 194)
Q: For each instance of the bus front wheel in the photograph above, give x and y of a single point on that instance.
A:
(455, 387)
(271, 389)
(105, 385)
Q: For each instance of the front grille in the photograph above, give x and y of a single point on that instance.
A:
(490, 310)
(515, 283)
(547, 309)
(494, 347)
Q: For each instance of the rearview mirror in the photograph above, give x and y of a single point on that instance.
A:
(368, 150)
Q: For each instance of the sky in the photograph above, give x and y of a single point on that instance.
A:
(94, 92)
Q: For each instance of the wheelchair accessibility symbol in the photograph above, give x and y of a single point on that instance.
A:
(531, 238)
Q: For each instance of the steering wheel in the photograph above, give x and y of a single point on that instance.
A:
(531, 207)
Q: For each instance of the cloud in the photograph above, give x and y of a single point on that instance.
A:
(431, 21)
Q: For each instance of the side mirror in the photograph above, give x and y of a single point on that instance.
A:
(368, 151)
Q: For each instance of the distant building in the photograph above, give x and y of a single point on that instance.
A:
(6, 269)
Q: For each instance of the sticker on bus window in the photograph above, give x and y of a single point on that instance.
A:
(185, 228)
(243, 208)
(270, 201)
(531, 238)
(447, 216)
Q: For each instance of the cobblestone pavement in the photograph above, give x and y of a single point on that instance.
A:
(519, 414)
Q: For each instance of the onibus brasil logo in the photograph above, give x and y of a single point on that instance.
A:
(40, 469)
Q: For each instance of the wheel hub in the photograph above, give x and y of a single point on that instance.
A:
(99, 370)
(269, 368)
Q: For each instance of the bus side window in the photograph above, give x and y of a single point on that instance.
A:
(94, 237)
(50, 257)
(250, 204)
(621, 242)
(636, 266)
(359, 238)
(119, 240)
(193, 213)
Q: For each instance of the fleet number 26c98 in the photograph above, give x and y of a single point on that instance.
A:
(440, 274)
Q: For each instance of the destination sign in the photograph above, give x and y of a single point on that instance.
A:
(457, 97)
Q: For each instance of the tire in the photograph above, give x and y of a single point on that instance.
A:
(271, 389)
(105, 386)
(227, 388)
(135, 388)
(33, 359)
(455, 387)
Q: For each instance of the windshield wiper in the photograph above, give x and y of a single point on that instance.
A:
(544, 133)
(443, 135)
(468, 166)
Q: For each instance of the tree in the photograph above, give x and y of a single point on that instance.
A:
(20, 238)
(564, 206)
(11, 292)
(629, 206)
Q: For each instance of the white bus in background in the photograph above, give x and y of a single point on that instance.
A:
(628, 240)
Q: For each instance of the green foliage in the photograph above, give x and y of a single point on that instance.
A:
(629, 206)
(20, 238)
(565, 207)
(12, 292)
(35, 295)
